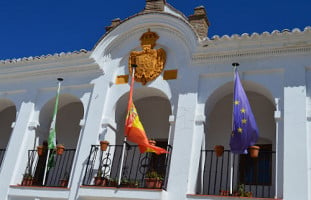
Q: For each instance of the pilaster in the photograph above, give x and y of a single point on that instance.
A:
(182, 147)
(89, 132)
(295, 135)
(16, 152)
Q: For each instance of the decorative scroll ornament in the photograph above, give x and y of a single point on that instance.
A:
(150, 62)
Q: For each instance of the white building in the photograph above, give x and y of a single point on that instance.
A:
(186, 108)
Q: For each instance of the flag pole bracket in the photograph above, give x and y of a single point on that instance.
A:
(235, 64)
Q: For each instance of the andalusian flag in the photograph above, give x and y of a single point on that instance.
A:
(134, 130)
(52, 134)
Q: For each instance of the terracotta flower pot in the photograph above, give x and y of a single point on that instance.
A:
(40, 150)
(104, 145)
(152, 142)
(60, 149)
(153, 183)
(253, 151)
(63, 182)
(98, 181)
(219, 150)
(27, 181)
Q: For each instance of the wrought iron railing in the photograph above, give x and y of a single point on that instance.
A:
(103, 167)
(2, 152)
(36, 173)
(251, 176)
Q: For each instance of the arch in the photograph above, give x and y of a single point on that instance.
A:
(219, 120)
(7, 117)
(218, 111)
(153, 108)
(227, 89)
(176, 31)
(70, 112)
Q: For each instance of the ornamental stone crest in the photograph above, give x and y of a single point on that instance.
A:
(150, 62)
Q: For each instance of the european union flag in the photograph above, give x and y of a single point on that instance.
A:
(245, 131)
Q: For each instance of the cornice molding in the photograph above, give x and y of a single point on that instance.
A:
(44, 57)
(52, 66)
(216, 57)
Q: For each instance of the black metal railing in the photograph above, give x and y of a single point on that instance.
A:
(2, 152)
(250, 176)
(105, 167)
(38, 173)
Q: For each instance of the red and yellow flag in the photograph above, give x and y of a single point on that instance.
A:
(135, 131)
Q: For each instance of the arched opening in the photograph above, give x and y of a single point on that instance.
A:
(70, 111)
(154, 109)
(7, 117)
(256, 176)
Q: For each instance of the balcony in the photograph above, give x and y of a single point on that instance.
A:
(103, 167)
(57, 176)
(251, 177)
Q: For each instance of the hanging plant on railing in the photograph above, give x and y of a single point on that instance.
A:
(60, 148)
(219, 150)
(104, 145)
(40, 150)
(253, 151)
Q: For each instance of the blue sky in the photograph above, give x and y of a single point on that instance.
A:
(34, 28)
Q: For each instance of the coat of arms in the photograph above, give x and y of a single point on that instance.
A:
(150, 62)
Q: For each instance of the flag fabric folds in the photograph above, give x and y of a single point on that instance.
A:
(134, 130)
(52, 134)
(245, 131)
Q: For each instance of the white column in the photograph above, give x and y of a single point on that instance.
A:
(309, 143)
(89, 133)
(13, 165)
(277, 118)
(295, 132)
(197, 139)
(182, 147)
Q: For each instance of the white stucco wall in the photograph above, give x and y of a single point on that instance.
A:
(194, 110)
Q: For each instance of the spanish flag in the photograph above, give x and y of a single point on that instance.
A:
(134, 130)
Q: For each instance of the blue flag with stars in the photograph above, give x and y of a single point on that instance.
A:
(245, 131)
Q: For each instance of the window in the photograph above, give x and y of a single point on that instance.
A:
(257, 171)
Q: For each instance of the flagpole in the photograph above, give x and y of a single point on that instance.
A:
(235, 65)
(125, 137)
(48, 153)
(45, 168)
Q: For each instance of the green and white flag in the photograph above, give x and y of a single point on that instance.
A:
(52, 134)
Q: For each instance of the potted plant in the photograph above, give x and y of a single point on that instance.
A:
(224, 193)
(219, 150)
(241, 192)
(104, 145)
(98, 178)
(60, 148)
(153, 179)
(113, 182)
(27, 179)
(125, 182)
(133, 183)
(40, 150)
(64, 181)
(253, 151)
